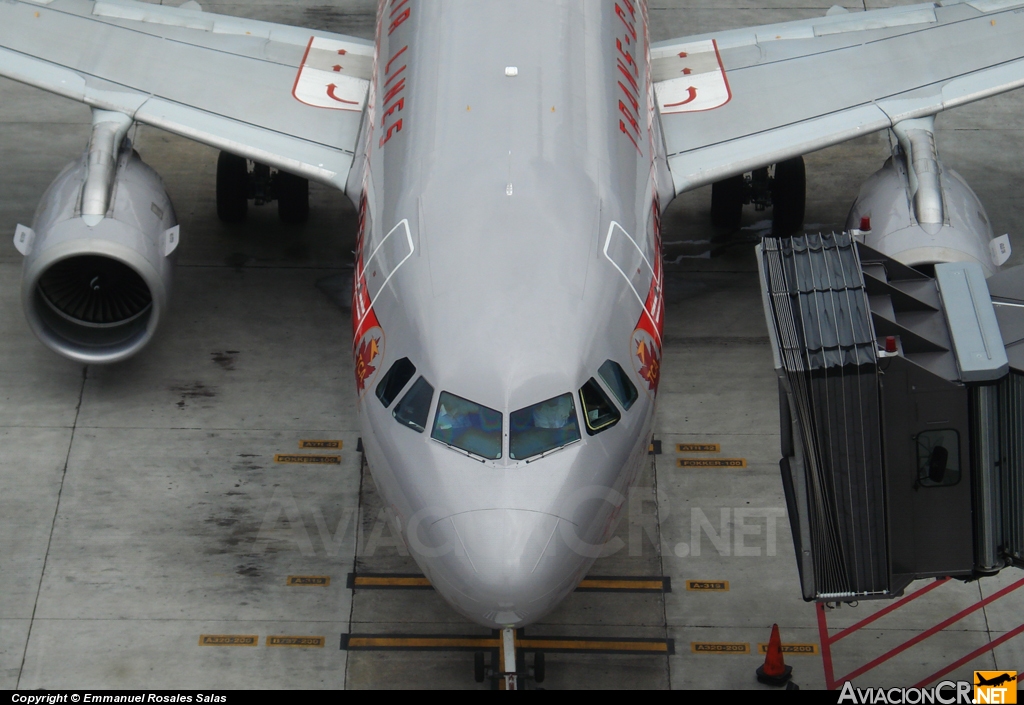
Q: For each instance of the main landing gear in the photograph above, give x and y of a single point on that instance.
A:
(783, 188)
(240, 181)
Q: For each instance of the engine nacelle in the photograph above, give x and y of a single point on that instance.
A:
(923, 214)
(95, 287)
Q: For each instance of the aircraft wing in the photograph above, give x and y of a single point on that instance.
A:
(739, 100)
(290, 98)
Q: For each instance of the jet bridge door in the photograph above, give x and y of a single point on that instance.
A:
(930, 520)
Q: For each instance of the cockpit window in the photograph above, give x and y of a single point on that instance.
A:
(414, 408)
(598, 410)
(543, 427)
(468, 426)
(395, 380)
(615, 377)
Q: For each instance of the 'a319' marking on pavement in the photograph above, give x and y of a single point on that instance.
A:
(308, 581)
(707, 585)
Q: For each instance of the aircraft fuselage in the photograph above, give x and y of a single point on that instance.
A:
(511, 193)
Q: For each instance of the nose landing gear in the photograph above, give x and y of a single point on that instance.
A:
(508, 670)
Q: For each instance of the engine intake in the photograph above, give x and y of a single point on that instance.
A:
(90, 303)
(95, 287)
(97, 292)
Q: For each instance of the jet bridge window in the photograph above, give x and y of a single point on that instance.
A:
(468, 426)
(938, 458)
(395, 380)
(543, 427)
(615, 377)
(414, 408)
(598, 411)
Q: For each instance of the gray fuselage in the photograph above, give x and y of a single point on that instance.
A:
(508, 249)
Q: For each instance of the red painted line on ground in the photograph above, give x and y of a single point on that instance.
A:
(826, 648)
(971, 656)
(929, 632)
(886, 610)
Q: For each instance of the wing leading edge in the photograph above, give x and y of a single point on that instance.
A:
(744, 99)
(284, 96)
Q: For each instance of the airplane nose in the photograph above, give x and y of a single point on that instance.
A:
(514, 563)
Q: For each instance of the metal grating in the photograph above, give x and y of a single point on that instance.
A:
(822, 322)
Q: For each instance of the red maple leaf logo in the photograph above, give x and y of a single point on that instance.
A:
(650, 364)
(368, 352)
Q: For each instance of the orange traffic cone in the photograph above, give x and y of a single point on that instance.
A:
(774, 671)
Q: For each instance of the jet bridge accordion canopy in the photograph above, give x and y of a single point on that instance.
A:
(903, 464)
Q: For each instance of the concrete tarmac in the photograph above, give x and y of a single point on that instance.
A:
(141, 506)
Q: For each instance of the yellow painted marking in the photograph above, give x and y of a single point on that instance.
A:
(623, 584)
(698, 448)
(423, 642)
(711, 462)
(298, 642)
(307, 459)
(386, 581)
(228, 639)
(320, 445)
(488, 643)
(707, 585)
(795, 649)
(719, 647)
(659, 647)
(419, 581)
(308, 581)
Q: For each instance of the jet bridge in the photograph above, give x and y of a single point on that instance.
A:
(902, 415)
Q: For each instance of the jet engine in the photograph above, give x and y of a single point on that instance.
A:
(97, 270)
(920, 213)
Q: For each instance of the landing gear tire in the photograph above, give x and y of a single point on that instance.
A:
(292, 198)
(789, 197)
(479, 669)
(538, 667)
(727, 204)
(232, 188)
